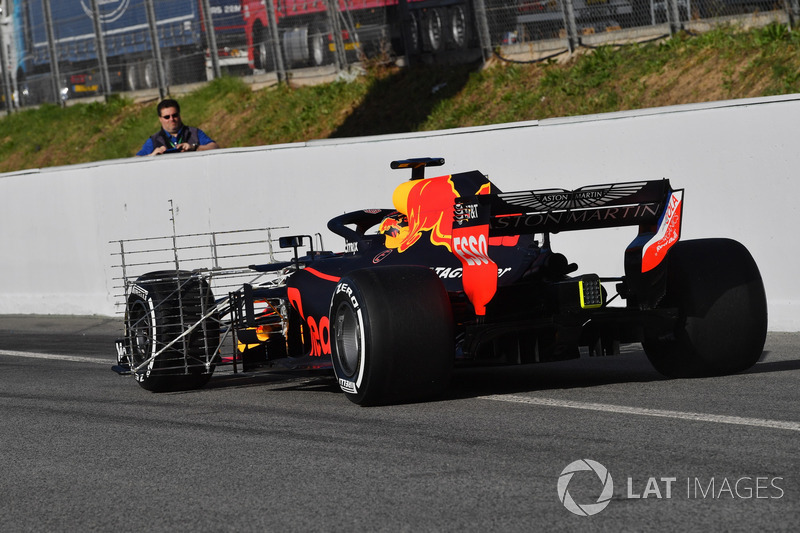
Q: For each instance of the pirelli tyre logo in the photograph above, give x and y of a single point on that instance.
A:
(139, 291)
(348, 386)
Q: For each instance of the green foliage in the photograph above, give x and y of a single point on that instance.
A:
(770, 34)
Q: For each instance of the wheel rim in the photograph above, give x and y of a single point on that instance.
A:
(150, 75)
(348, 343)
(133, 81)
(413, 30)
(435, 30)
(141, 332)
(317, 48)
(262, 55)
(459, 27)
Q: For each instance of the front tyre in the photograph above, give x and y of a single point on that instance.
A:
(718, 292)
(392, 335)
(161, 306)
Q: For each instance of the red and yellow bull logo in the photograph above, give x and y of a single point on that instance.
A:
(428, 206)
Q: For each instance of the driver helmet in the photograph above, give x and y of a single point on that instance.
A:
(395, 227)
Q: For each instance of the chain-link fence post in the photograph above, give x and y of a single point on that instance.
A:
(570, 26)
(55, 73)
(211, 39)
(163, 88)
(272, 18)
(101, 50)
(482, 25)
(340, 54)
(405, 31)
(674, 17)
(7, 94)
(793, 10)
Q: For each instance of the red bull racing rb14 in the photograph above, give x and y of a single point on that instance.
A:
(457, 273)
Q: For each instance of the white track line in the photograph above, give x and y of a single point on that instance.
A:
(622, 409)
(56, 357)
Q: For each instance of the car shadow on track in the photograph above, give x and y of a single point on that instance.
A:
(575, 373)
(632, 367)
(472, 382)
(275, 380)
(773, 366)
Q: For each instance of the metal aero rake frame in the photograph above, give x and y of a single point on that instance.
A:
(210, 263)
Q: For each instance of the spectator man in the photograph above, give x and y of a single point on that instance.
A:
(174, 136)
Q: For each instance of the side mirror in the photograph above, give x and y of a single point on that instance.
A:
(292, 241)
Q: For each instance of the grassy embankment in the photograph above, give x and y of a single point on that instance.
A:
(718, 65)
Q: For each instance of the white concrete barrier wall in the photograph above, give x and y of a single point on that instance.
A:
(738, 161)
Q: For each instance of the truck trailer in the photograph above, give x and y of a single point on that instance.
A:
(67, 30)
(312, 32)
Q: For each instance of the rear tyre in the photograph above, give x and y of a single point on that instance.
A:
(722, 311)
(160, 307)
(392, 335)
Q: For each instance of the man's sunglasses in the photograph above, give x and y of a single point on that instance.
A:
(167, 117)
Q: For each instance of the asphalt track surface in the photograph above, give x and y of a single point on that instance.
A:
(86, 449)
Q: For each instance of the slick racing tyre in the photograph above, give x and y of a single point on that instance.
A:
(392, 335)
(160, 307)
(718, 292)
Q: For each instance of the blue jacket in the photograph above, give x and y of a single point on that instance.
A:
(185, 135)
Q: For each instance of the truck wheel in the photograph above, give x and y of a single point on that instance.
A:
(392, 335)
(434, 30)
(722, 311)
(413, 34)
(149, 75)
(459, 28)
(319, 54)
(132, 76)
(160, 307)
(264, 59)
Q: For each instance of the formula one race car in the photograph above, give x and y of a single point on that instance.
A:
(457, 273)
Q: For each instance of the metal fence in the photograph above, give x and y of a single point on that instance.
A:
(106, 46)
(576, 22)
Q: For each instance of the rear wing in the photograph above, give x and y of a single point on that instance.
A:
(554, 210)
(653, 206)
